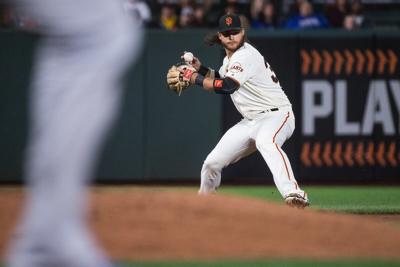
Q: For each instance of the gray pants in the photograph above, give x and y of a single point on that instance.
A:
(86, 46)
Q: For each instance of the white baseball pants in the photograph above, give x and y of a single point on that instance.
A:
(86, 46)
(267, 133)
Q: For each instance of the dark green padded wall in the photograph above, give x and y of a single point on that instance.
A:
(158, 135)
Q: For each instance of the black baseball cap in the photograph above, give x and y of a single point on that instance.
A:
(229, 22)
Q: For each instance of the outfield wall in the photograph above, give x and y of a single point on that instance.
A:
(345, 88)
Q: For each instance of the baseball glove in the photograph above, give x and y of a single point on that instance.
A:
(178, 77)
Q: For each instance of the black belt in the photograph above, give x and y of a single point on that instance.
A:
(270, 110)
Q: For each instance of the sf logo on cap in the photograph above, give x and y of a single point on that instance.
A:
(228, 21)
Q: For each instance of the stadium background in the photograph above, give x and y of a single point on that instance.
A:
(345, 88)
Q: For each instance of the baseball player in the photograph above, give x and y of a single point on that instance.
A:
(86, 46)
(268, 120)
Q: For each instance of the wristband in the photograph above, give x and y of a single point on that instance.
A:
(199, 80)
(203, 70)
(187, 74)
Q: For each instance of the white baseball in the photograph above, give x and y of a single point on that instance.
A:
(188, 57)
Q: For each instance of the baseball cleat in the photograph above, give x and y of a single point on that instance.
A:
(297, 201)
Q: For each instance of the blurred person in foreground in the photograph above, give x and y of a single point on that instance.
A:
(85, 48)
(140, 10)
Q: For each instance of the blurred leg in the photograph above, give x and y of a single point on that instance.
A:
(74, 101)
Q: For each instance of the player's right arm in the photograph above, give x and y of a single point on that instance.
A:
(218, 85)
(211, 81)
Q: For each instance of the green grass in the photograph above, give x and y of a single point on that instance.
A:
(269, 263)
(349, 199)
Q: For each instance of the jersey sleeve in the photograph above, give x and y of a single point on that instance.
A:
(221, 71)
(240, 67)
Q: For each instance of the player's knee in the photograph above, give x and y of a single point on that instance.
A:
(266, 146)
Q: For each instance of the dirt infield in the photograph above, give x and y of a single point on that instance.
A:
(142, 224)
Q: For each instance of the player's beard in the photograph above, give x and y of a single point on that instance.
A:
(240, 44)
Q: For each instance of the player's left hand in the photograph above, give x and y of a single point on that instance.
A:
(178, 77)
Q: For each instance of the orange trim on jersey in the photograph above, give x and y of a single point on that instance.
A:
(273, 141)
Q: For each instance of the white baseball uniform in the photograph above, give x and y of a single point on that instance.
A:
(268, 121)
(86, 46)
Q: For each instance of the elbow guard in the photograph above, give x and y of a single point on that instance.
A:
(225, 86)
